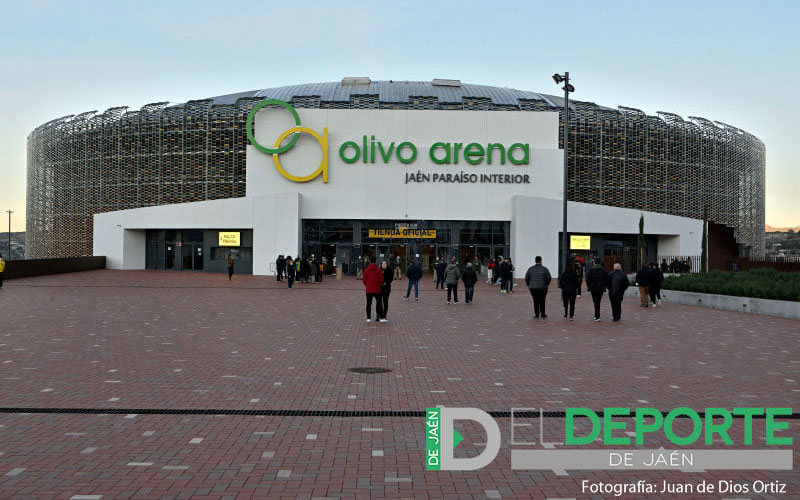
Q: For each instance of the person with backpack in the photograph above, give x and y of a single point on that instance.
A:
(596, 284)
(569, 283)
(469, 278)
(579, 272)
(451, 275)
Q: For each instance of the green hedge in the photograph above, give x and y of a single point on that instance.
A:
(757, 283)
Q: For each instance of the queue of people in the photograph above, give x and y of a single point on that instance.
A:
(598, 282)
(296, 269)
(447, 275)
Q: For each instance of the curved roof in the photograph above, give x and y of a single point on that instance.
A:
(401, 91)
(362, 91)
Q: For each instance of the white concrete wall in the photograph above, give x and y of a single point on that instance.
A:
(274, 219)
(134, 248)
(536, 223)
(378, 190)
(276, 229)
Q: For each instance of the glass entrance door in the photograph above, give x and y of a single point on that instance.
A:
(467, 254)
(484, 253)
(427, 256)
(345, 259)
(384, 253)
(192, 256)
(170, 262)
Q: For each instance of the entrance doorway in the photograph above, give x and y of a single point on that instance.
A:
(170, 263)
(467, 254)
(427, 256)
(192, 256)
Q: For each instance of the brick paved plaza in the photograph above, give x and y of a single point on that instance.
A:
(146, 340)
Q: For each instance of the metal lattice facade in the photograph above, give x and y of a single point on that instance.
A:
(91, 163)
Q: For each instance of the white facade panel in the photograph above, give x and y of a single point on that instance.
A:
(275, 206)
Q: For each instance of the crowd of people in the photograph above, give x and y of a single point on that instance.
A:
(299, 270)
(378, 278)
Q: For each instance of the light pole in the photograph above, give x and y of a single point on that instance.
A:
(9, 233)
(564, 239)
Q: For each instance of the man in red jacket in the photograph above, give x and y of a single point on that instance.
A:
(373, 280)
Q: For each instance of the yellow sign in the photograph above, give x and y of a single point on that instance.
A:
(578, 242)
(230, 239)
(402, 232)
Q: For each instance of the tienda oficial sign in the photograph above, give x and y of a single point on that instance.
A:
(370, 149)
(402, 232)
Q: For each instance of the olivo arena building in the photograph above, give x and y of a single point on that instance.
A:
(416, 170)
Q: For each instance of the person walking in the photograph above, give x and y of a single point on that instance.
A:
(2, 270)
(476, 264)
(579, 273)
(616, 283)
(359, 267)
(509, 278)
(596, 284)
(290, 271)
(451, 275)
(372, 277)
(501, 271)
(469, 277)
(230, 267)
(490, 272)
(440, 267)
(318, 269)
(397, 268)
(280, 267)
(386, 289)
(643, 282)
(538, 278)
(569, 283)
(414, 274)
(305, 270)
(656, 277)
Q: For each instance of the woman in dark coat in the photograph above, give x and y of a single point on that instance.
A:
(386, 288)
(568, 283)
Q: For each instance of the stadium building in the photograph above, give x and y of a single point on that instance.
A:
(418, 170)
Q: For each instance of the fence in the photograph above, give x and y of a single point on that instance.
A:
(41, 267)
(788, 263)
(679, 263)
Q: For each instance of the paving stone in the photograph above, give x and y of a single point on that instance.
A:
(251, 344)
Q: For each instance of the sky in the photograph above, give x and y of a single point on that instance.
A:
(729, 61)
